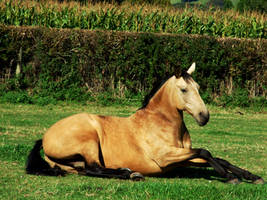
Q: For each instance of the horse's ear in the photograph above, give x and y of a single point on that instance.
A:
(192, 68)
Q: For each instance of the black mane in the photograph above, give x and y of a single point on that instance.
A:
(157, 86)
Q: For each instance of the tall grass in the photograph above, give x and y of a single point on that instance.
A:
(140, 18)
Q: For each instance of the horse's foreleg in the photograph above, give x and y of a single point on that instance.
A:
(217, 166)
(223, 166)
(240, 172)
(203, 158)
(179, 156)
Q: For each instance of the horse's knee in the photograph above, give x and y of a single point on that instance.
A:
(203, 153)
(196, 162)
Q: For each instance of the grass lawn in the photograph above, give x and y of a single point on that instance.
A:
(239, 138)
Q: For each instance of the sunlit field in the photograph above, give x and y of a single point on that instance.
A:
(239, 136)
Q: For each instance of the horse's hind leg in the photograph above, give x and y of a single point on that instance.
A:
(122, 173)
(95, 165)
(240, 172)
(67, 168)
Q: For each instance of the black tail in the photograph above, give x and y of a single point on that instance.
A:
(38, 166)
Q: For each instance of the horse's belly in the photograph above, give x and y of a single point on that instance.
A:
(125, 155)
(138, 164)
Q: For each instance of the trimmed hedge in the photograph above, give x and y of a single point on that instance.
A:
(70, 64)
(259, 5)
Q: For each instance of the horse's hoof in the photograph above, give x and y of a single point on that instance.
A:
(136, 176)
(234, 181)
(259, 181)
(126, 169)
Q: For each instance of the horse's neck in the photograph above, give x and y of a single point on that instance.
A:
(162, 103)
(161, 117)
(160, 121)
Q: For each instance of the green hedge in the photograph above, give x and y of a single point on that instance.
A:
(258, 5)
(77, 64)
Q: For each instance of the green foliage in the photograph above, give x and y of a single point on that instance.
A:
(240, 98)
(207, 4)
(16, 97)
(75, 65)
(23, 97)
(225, 4)
(228, 4)
(42, 101)
(153, 2)
(258, 5)
(133, 20)
(206, 95)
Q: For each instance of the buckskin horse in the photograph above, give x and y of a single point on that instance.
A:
(150, 142)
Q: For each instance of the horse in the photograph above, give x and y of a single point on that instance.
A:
(152, 141)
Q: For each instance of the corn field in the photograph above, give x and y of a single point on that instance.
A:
(139, 19)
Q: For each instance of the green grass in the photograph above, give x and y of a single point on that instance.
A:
(241, 139)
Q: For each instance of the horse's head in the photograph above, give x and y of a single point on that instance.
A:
(188, 98)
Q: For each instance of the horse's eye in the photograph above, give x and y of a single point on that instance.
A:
(183, 90)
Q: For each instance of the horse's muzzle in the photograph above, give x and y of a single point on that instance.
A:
(203, 118)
